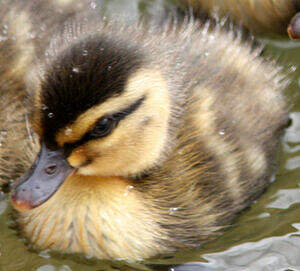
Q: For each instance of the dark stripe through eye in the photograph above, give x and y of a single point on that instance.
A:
(103, 126)
(127, 111)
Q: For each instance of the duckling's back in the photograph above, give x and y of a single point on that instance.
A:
(229, 114)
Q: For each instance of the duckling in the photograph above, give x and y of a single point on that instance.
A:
(294, 27)
(151, 137)
(258, 16)
(17, 53)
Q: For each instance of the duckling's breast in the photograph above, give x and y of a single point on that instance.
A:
(101, 217)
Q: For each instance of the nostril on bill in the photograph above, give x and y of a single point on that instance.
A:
(51, 169)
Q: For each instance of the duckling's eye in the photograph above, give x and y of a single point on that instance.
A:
(103, 127)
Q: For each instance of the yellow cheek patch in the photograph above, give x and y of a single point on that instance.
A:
(74, 132)
(86, 121)
(134, 146)
(78, 157)
(137, 85)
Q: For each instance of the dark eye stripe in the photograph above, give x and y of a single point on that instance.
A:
(127, 111)
(116, 118)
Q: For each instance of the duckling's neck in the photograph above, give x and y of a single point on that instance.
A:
(102, 217)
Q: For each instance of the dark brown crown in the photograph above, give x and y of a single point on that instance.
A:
(84, 75)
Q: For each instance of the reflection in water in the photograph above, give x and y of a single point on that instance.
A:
(284, 198)
(275, 253)
(3, 203)
(291, 138)
(293, 163)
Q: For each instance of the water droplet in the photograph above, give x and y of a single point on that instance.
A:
(264, 215)
(108, 67)
(50, 115)
(3, 38)
(122, 259)
(43, 27)
(128, 189)
(80, 150)
(93, 5)
(68, 131)
(45, 254)
(44, 107)
(173, 210)
(3, 135)
(85, 52)
(75, 69)
(222, 132)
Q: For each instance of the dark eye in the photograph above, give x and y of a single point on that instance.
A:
(103, 127)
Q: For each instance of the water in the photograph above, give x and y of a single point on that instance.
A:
(265, 237)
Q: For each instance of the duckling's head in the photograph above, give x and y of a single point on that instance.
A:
(101, 110)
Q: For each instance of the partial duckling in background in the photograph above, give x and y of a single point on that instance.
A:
(16, 54)
(152, 137)
(20, 25)
(259, 16)
(294, 27)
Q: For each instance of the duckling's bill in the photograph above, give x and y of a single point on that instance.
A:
(47, 173)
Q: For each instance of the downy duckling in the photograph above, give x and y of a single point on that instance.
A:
(294, 27)
(259, 16)
(20, 25)
(16, 54)
(152, 137)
